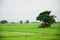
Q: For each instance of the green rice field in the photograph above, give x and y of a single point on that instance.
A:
(29, 32)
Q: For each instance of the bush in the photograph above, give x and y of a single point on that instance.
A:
(27, 21)
(21, 21)
(3, 21)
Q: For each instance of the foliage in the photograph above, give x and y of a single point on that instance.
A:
(3, 21)
(27, 21)
(21, 21)
(13, 23)
(46, 18)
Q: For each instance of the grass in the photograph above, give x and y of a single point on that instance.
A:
(29, 32)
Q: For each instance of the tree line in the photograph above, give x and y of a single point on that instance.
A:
(5, 21)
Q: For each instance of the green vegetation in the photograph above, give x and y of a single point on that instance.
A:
(46, 18)
(3, 21)
(27, 21)
(29, 32)
(21, 21)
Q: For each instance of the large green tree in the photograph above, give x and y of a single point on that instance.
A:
(46, 18)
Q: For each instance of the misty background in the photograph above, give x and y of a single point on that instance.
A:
(16, 10)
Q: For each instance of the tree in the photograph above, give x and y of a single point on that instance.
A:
(21, 21)
(13, 23)
(3, 21)
(46, 18)
(27, 21)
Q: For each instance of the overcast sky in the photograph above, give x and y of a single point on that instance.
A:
(16, 10)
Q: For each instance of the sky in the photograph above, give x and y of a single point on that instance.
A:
(16, 10)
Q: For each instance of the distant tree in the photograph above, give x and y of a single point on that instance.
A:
(3, 21)
(0, 22)
(27, 21)
(46, 18)
(21, 21)
(13, 23)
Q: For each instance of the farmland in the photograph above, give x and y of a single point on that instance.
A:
(29, 32)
